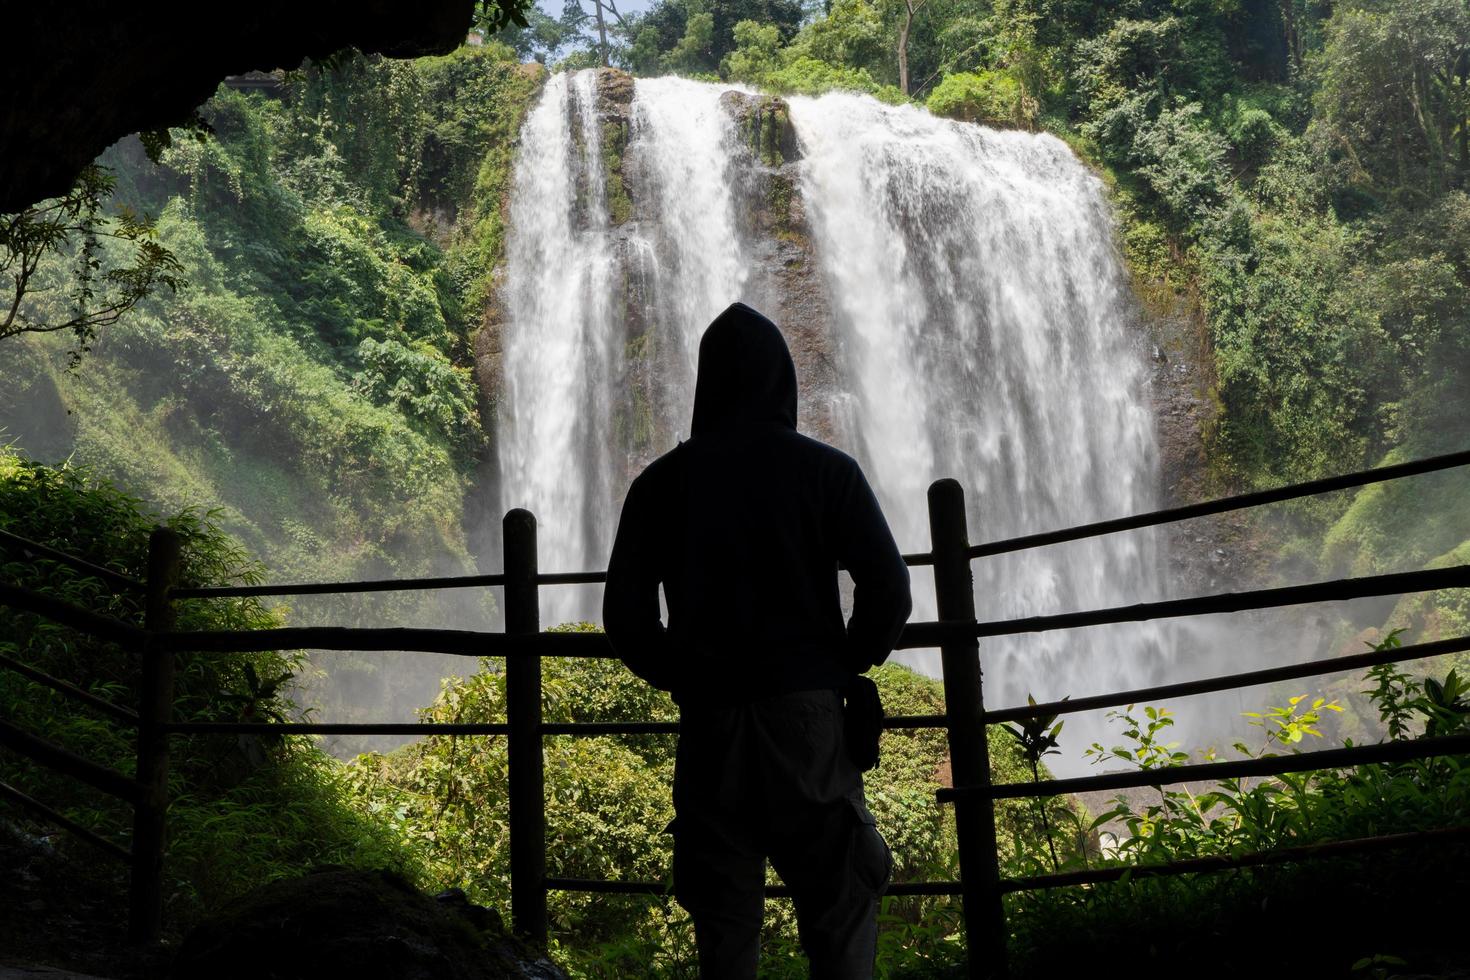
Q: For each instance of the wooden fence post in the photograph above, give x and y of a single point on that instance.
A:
(523, 747)
(985, 928)
(155, 708)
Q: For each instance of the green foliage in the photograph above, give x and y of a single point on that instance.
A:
(503, 15)
(990, 97)
(1391, 99)
(756, 52)
(315, 384)
(418, 381)
(1240, 816)
(794, 70)
(608, 803)
(241, 811)
(61, 277)
(853, 34)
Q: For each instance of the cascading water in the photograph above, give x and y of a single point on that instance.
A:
(694, 257)
(983, 328)
(978, 328)
(579, 292)
(558, 341)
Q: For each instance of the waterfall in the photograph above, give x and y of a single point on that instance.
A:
(679, 155)
(984, 335)
(576, 423)
(974, 319)
(555, 414)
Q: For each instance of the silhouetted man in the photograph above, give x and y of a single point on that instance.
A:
(744, 525)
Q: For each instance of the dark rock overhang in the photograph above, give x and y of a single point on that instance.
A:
(77, 77)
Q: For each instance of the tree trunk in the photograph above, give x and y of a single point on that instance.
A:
(601, 33)
(903, 50)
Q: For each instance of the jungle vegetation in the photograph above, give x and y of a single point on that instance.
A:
(250, 809)
(296, 296)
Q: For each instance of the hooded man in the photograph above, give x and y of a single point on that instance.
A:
(744, 526)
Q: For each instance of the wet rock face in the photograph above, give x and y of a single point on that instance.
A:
(614, 112)
(765, 122)
(365, 925)
(614, 92)
(774, 221)
(1210, 553)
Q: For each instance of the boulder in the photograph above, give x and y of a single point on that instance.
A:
(360, 924)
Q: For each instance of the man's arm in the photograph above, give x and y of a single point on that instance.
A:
(880, 601)
(630, 610)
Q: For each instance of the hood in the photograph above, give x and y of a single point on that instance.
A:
(746, 376)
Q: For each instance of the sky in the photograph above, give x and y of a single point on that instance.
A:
(554, 7)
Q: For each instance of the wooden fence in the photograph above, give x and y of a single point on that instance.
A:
(956, 633)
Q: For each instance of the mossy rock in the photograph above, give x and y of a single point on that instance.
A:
(360, 924)
(614, 91)
(764, 122)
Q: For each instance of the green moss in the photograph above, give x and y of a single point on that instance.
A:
(633, 421)
(480, 243)
(765, 126)
(641, 435)
(779, 195)
(1401, 524)
(614, 141)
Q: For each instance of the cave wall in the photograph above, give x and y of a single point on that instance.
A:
(78, 77)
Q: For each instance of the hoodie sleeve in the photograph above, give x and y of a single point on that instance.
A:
(630, 608)
(881, 602)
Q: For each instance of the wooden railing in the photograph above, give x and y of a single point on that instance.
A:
(957, 634)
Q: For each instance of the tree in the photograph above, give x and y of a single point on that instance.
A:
(694, 36)
(101, 291)
(911, 10)
(1394, 102)
(540, 39)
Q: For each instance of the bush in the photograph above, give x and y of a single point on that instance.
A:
(608, 801)
(992, 98)
(242, 811)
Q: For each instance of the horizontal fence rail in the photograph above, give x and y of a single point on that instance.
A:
(125, 715)
(1231, 862)
(55, 757)
(66, 823)
(1223, 505)
(32, 550)
(465, 643)
(1339, 590)
(414, 584)
(1275, 765)
(67, 614)
(956, 634)
(342, 588)
(602, 887)
(1229, 682)
(890, 723)
(1090, 876)
(334, 728)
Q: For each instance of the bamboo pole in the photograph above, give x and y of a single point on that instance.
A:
(985, 927)
(165, 553)
(523, 747)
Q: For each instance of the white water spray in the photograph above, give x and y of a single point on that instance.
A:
(985, 336)
(979, 325)
(558, 336)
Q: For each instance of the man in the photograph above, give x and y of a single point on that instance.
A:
(744, 525)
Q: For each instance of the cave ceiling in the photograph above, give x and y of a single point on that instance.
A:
(78, 76)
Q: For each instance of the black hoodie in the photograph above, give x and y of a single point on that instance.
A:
(744, 526)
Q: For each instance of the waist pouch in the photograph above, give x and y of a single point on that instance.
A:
(862, 721)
